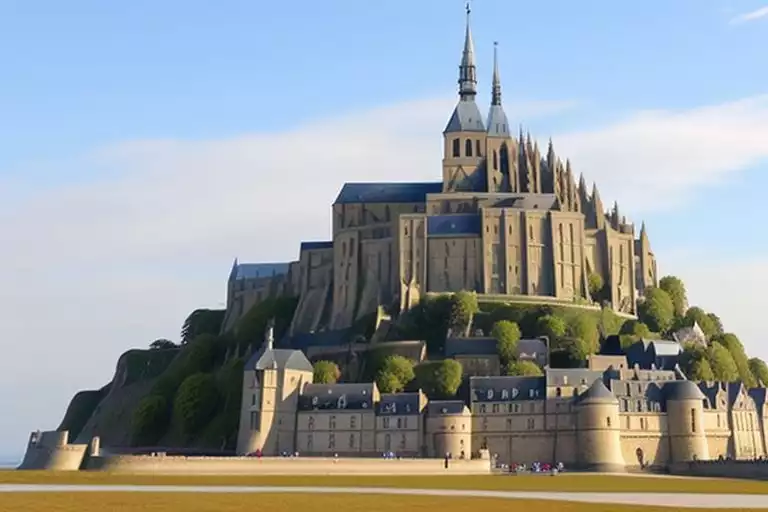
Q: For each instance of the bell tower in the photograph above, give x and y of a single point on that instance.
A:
(464, 137)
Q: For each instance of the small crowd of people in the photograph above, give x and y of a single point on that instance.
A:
(535, 467)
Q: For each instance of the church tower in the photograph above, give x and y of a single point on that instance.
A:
(500, 146)
(464, 137)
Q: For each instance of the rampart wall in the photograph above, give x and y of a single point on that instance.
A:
(178, 465)
(753, 470)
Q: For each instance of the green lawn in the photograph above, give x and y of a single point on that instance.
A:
(564, 483)
(163, 502)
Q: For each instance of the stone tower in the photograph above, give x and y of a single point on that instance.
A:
(685, 417)
(464, 136)
(272, 381)
(598, 431)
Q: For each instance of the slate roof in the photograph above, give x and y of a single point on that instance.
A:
(504, 389)
(445, 225)
(445, 407)
(528, 202)
(597, 393)
(398, 404)
(257, 270)
(466, 117)
(311, 246)
(337, 397)
(352, 193)
(571, 376)
(682, 390)
(282, 359)
(663, 347)
(470, 347)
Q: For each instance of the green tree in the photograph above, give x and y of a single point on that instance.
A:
(721, 361)
(325, 372)
(507, 334)
(570, 352)
(196, 402)
(759, 370)
(584, 327)
(595, 283)
(657, 310)
(202, 321)
(736, 349)
(676, 290)
(717, 323)
(695, 363)
(162, 344)
(149, 420)
(635, 328)
(697, 315)
(524, 369)
(463, 307)
(395, 374)
(439, 379)
(551, 326)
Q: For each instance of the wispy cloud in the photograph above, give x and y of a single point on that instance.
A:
(93, 268)
(750, 16)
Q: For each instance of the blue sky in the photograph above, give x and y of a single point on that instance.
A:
(144, 144)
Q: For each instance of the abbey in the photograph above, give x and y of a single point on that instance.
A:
(506, 221)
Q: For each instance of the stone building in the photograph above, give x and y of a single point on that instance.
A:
(608, 416)
(507, 220)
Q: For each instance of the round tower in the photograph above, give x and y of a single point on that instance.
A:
(597, 430)
(685, 421)
(448, 429)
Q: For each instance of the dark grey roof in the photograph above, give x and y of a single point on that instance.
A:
(597, 393)
(445, 407)
(257, 270)
(470, 347)
(282, 359)
(682, 390)
(663, 347)
(387, 192)
(498, 125)
(442, 225)
(466, 117)
(337, 397)
(503, 389)
(528, 202)
(398, 404)
(311, 246)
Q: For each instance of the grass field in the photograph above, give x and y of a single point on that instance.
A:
(124, 502)
(563, 483)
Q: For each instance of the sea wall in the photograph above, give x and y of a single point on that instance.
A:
(50, 450)
(753, 470)
(179, 465)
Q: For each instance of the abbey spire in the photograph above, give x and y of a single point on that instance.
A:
(498, 125)
(466, 116)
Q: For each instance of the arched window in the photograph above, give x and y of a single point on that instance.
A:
(468, 147)
(478, 151)
(495, 160)
(456, 148)
(504, 159)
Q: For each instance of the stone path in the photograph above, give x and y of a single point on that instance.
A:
(731, 501)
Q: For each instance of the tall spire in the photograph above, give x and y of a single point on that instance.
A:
(496, 89)
(466, 116)
(468, 70)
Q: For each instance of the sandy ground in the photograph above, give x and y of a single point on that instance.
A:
(734, 501)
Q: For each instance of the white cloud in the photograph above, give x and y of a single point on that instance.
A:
(750, 16)
(94, 268)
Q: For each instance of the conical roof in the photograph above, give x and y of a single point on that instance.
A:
(682, 390)
(597, 393)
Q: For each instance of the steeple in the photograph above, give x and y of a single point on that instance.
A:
(466, 116)
(498, 125)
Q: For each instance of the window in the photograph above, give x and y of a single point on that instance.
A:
(332, 423)
(531, 423)
(456, 148)
(693, 420)
(517, 407)
(558, 392)
(718, 421)
(332, 441)
(352, 441)
(608, 422)
(495, 408)
(311, 423)
(468, 147)
(495, 160)
(485, 423)
(403, 442)
(353, 422)
(310, 443)
(478, 151)
(509, 424)
(482, 408)
(387, 442)
(642, 423)
(385, 422)
(399, 423)
(253, 399)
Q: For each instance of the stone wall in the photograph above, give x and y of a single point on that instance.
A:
(753, 470)
(283, 466)
(51, 451)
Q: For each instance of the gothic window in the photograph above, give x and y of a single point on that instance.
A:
(456, 148)
(495, 160)
(468, 147)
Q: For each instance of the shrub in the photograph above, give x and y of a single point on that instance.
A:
(439, 379)
(196, 402)
(524, 369)
(395, 374)
(507, 334)
(150, 420)
(325, 372)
